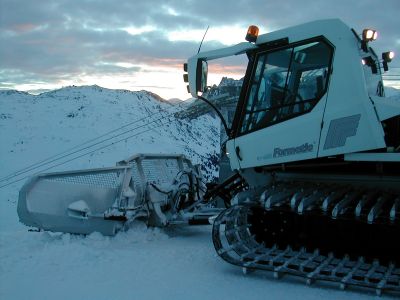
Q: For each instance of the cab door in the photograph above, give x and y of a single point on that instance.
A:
(281, 115)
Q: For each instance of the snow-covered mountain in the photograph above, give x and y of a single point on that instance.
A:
(34, 128)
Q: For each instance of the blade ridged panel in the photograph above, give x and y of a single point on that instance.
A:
(108, 179)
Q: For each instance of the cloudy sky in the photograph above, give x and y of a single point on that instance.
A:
(136, 45)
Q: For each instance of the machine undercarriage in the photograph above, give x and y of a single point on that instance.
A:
(337, 227)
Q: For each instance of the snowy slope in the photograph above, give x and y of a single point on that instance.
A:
(174, 263)
(36, 127)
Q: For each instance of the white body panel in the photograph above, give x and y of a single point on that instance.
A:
(348, 96)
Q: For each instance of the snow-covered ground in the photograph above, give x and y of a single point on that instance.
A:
(141, 263)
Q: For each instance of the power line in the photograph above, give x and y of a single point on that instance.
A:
(87, 153)
(90, 152)
(40, 163)
(77, 151)
(64, 153)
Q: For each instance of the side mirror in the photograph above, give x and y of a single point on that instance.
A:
(201, 76)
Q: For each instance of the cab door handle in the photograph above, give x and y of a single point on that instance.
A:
(237, 149)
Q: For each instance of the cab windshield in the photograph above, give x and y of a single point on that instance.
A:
(285, 83)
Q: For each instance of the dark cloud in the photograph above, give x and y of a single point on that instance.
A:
(47, 40)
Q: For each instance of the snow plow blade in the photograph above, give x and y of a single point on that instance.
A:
(71, 201)
(158, 189)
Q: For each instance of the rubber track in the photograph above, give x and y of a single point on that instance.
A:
(235, 244)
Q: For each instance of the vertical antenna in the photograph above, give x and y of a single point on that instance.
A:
(201, 43)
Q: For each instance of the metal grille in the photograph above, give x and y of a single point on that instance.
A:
(160, 170)
(135, 172)
(186, 165)
(105, 179)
